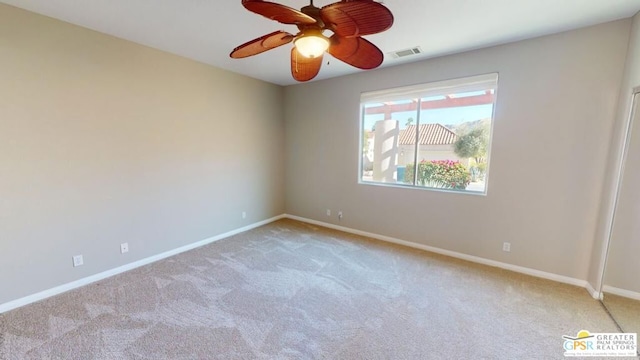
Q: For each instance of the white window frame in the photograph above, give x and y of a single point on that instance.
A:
(457, 85)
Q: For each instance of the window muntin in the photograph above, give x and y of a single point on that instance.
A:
(444, 127)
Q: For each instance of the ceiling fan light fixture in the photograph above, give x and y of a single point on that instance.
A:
(312, 45)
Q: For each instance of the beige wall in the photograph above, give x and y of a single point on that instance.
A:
(556, 104)
(103, 141)
(623, 266)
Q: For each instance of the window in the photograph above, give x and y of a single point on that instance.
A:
(444, 127)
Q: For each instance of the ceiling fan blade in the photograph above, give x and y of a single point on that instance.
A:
(302, 68)
(356, 51)
(356, 17)
(261, 44)
(277, 12)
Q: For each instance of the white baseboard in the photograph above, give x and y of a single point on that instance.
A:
(103, 275)
(475, 259)
(621, 292)
(595, 294)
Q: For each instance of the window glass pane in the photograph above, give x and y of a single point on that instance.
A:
(384, 154)
(454, 140)
(447, 131)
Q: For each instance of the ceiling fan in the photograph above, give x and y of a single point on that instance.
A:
(348, 20)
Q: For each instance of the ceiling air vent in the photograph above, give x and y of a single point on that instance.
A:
(406, 52)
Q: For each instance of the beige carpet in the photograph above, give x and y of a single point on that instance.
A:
(290, 290)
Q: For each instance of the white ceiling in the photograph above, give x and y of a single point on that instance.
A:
(207, 30)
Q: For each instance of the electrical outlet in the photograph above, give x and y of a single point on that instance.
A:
(124, 248)
(244, 214)
(340, 215)
(78, 260)
(328, 212)
(506, 247)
